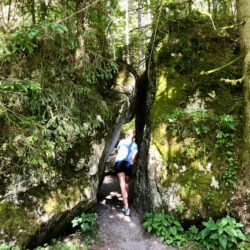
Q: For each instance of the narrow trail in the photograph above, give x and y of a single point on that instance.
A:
(118, 231)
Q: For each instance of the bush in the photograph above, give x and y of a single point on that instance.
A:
(86, 222)
(223, 234)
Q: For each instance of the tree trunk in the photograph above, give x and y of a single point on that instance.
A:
(243, 7)
(233, 9)
(215, 5)
(79, 16)
(44, 10)
(241, 200)
(149, 19)
(80, 23)
(209, 5)
(190, 3)
(109, 30)
(33, 11)
(9, 11)
(141, 39)
(126, 4)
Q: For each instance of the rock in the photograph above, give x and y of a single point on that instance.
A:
(182, 166)
(39, 204)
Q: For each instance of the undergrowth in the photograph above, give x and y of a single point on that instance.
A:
(222, 234)
(46, 104)
(85, 235)
(219, 132)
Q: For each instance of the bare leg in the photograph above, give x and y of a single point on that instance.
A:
(127, 183)
(122, 181)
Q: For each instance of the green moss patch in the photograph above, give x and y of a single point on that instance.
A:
(15, 222)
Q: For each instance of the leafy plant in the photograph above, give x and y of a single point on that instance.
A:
(63, 246)
(193, 233)
(86, 222)
(6, 247)
(25, 40)
(218, 132)
(225, 233)
(166, 227)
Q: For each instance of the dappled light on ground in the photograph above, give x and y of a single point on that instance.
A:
(118, 231)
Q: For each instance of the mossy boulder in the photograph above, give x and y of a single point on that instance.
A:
(39, 201)
(16, 222)
(33, 206)
(193, 156)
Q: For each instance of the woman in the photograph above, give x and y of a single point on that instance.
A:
(124, 162)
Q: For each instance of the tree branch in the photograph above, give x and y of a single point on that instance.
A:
(81, 10)
(232, 81)
(231, 26)
(220, 68)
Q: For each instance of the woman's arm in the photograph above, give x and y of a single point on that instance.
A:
(134, 157)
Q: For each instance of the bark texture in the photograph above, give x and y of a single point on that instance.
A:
(244, 15)
(241, 201)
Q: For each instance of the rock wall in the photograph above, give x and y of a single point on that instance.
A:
(190, 148)
(40, 204)
(42, 208)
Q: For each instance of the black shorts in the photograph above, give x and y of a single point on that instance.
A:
(123, 166)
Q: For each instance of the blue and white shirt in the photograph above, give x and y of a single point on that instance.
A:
(126, 149)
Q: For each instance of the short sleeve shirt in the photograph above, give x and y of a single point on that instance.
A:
(126, 149)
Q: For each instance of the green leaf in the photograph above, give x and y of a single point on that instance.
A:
(223, 241)
(210, 224)
(169, 241)
(241, 235)
(4, 247)
(173, 230)
(230, 231)
(84, 227)
(214, 236)
(177, 223)
(239, 225)
(204, 233)
(74, 223)
(223, 222)
(220, 231)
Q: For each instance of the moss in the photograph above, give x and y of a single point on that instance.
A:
(215, 201)
(196, 192)
(187, 147)
(124, 77)
(187, 152)
(195, 181)
(15, 222)
(65, 197)
(170, 93)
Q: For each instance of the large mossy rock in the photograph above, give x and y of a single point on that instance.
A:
(40, 201)
(191, 142)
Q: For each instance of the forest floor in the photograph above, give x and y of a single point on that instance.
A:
(120, 232)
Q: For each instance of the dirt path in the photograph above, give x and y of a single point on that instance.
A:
(121, 232)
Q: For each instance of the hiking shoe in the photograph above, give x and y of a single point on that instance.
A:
(127, 212)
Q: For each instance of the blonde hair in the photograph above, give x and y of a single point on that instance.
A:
(129, 132)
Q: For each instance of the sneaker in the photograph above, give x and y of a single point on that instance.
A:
(127, 212)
